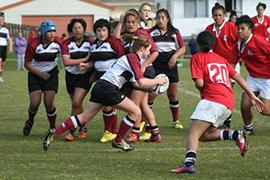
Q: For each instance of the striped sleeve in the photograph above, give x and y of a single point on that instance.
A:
(31, 50)
(64, 48)
(135, 65)
(180, 41)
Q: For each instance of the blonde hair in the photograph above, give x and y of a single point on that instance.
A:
(130, 12)
(144, 4)
(137, 42)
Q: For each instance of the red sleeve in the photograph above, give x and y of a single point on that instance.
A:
(196, 67)
(31, 49)
(263, 45)
(117, 46)
(90, 41)
(234, 57)
(231, 70)
(209, 28)
(145, 33)
(135, 65)
(58, 40)
(64, 47)
(180, 40)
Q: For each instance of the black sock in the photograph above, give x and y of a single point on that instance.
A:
(190, 158)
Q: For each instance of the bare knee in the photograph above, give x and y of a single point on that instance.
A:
(136, 114)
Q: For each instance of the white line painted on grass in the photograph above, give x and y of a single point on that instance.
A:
(252, 148)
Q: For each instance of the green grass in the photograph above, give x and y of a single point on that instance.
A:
(23, 157)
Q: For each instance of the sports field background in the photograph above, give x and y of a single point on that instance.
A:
(23, 157)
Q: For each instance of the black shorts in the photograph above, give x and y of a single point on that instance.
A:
(99, 74)
(106, 93)
(149, 72)
(3, 53)
(37, 83)
(77, 81)
(171, 73)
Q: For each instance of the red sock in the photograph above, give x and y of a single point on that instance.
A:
(52, 117)
(174, 106)
(31, 115)
(107, 118)
(71, 123)
(110, 121)
(114, 126)
(125, 125)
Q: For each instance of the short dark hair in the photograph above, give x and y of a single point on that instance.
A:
(2, 14)
(261, 4)
(102, 23)
(75, 20)
(206, 41)
(217, 7)
(246, 20)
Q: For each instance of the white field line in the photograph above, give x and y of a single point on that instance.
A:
(233, 148)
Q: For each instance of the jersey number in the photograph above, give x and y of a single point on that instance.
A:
(219, 74)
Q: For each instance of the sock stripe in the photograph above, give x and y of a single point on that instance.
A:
(128, 121)
(32, 111)
(53, 113)
(108, 114)
(74, 121)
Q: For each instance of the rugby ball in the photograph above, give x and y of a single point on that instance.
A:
(160, 89)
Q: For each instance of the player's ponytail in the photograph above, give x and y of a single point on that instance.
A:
(137, 42)
(218, 7)
(206, 41)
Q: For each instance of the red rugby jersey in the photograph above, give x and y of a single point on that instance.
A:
(256, 54)
(225, 40)
(216, 72)
(260, 27)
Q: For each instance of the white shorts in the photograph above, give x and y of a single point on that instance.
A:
(237, 69)
(211, 112)
(260, 85)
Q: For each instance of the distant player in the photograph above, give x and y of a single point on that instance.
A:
(40, 61)
(5, 40)
(106, 92)
(170, 45)
(145, 11)
(226, 36)
(211, 74)
(76, 50)
(261, 22)
(254, 50)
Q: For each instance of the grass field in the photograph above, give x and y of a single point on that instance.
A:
(23, 157)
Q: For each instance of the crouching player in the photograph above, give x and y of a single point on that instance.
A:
(106, 92)
(211, 74)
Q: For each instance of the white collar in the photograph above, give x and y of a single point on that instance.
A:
(260, 21)
(220, 27)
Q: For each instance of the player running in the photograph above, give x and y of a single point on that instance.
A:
(211, 74)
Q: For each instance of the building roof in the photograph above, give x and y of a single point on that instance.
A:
(93, 2)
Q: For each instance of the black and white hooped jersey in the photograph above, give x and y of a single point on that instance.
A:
(43, 57)
(106, 53)
(165, 42)
(126, 68)
(75, 51)
(4, 36)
